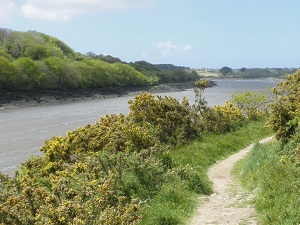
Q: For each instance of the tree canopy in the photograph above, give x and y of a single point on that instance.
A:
(36, 61)
(225, 70)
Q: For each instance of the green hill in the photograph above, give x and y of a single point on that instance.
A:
(36, 61)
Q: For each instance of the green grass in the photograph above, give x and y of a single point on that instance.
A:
(276, 183)
(177, 202)
(212, 147)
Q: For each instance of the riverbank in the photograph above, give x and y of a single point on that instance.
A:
(16, 99)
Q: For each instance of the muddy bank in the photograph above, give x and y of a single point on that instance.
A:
(12, 99)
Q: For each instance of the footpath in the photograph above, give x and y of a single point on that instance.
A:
(230, 204)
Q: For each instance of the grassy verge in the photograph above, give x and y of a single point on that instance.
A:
(176, 202)
(275, 180)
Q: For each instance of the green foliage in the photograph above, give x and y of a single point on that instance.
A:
(110, 173)
(57, 66)
(273, 169)
(170, 206)
(225, 70)
(285, 107)
(7, 73)
(54, 65)
(63, 75)
(27, 73)
(244, 107)
(165, 73)
(38, 52)
(275, 178)
(144, 66)
(171, 119)
(253, 104)
(125, 75)
(98, 75)
(253, 73)
(222, 119)
(176, 201)
(4, 53)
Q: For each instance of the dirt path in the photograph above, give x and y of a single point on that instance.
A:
(230, 204)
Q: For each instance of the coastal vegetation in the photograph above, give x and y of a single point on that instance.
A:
(246, 73)
(272, 170)
(33, 61)
(149, 166)
(142, 168)
(36, 61)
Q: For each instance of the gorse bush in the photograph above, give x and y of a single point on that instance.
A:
(285, 109)
(225, 118)
(171, 119)
(100, 174)
(110, 172)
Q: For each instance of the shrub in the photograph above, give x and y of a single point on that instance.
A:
(253, 104)
(171, 119)
(285, 108)
(222, 119)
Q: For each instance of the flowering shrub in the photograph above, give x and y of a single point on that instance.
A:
(221, 119)
(285, 107)
(171, 119)
(105, 173)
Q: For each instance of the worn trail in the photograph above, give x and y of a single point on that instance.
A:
(230, 203)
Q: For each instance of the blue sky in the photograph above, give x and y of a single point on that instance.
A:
(193, 33)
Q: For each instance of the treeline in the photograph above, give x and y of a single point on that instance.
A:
(252, 73)
(165, 73)
(263, 72)
(36, 61)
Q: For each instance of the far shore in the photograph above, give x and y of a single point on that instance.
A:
(16, 99)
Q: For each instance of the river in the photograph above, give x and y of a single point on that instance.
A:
(23, 130)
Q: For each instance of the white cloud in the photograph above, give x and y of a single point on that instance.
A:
(62, 10)
(6, 9)
(169, 49)
(186, 48)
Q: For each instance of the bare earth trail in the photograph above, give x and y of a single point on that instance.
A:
(230, 204)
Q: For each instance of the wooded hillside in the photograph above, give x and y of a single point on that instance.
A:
(36, 61)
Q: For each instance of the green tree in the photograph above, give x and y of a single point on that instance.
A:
(225, 70)
(253, 104)
(8, 78)
(99, 73)
(38, 52)
(27, 73)
(4, 53)
(64, 76)
(243, 69)
(85, 74)
(125, 75)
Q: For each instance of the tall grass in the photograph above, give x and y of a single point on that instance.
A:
(276, 181)
(176, 202)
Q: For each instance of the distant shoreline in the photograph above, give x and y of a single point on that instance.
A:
(16, 99)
